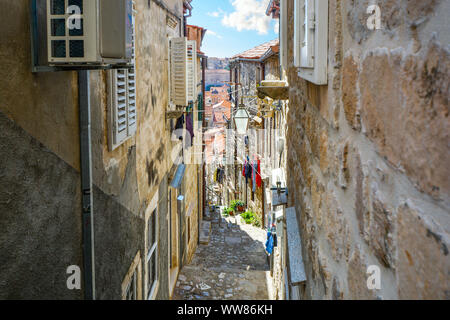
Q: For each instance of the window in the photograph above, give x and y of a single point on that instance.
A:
(311, 40)
(132, 283)
(131, 292)
(283, 34)
(152, 254)
(183, 71)
(258, 75)
(192, 69)
(151, 249)
(122, 102)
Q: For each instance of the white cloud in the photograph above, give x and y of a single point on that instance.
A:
(216, 14)
(248, 15)
(214, 34)
(276, 28)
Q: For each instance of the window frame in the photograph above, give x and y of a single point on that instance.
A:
(133, 278)
(152, 216)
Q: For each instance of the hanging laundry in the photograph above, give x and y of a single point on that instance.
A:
(248, 171)
(220, 175)
(269, 243)
(258, 174)
(179, 127)
(255, 164)
(190, 128)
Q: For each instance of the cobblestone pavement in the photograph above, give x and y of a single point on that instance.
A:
(233, 266)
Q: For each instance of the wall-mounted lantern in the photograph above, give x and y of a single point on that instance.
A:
(241, 119)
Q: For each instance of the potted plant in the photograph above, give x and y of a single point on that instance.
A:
(240, 206)
(237, 205)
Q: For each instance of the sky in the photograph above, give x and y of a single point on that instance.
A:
(233, 25)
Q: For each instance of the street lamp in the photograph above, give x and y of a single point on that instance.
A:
(241, 119)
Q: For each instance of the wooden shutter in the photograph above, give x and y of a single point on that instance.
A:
(192, 69)
(178, 71)
(131, 77)
(119, 105)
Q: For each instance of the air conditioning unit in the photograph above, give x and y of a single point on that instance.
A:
(97, 32)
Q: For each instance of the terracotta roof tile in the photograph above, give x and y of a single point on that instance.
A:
(258, 51)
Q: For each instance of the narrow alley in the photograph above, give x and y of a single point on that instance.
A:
(232, 266)
(224, 150)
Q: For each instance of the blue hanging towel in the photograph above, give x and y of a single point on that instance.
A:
(269, 243)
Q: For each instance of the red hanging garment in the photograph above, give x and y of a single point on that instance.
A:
(258, 175)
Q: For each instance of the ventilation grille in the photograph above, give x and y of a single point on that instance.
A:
(66, 38)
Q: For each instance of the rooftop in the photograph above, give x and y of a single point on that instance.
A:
(258, 51)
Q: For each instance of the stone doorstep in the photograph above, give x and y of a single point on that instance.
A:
(205, 232)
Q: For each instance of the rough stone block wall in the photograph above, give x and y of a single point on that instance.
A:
(368, 154)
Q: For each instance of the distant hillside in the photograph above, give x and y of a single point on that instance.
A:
(217, 77)
(217, 63)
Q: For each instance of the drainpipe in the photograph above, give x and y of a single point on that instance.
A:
(86, 184)
(204, 64)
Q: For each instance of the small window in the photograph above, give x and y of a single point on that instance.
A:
(311, 40)
(258, 75)
(123, 115)
(131, 293)
(132, 283)
(122, 102)
(182, 71)
(152, 254)
(283, 34)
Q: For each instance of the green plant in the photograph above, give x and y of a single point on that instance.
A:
(227, 211)
(249, 217)
(252, 218)
(236, 203)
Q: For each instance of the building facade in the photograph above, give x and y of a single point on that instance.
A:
(367, 147)
(145, 220)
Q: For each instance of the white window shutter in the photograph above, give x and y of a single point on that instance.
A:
(178, 71)
(122, 100)
(118, 94)
(297, 29)
(307, 34)
(192, 69)
(132, 113)
(311, 40)
(283, 34)
(131, 87)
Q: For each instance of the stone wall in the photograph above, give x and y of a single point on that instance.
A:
(272, 68)
(40, 224)
(367, 154)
